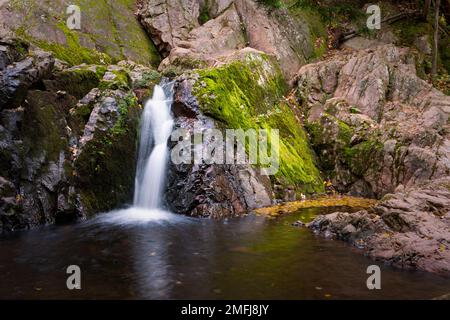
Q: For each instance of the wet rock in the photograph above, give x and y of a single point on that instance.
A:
(18, 77)
(7, 189)
(64, 142)
(105, 157)
(215, 191)
(11, 50)
(210, 190)
(185, 104)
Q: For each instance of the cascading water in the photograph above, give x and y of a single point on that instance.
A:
(156, 128)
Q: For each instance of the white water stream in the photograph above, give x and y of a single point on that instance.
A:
(156, 128)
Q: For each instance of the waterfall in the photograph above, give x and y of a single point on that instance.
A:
(156, 128)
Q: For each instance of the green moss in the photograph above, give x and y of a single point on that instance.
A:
(122, 81)
(105, 169)
(276, 4)
(445, 53)
(77, 82)
(248, 94)
(363, 156)
(128, 101)
(333, 11)
(188, 63)
(332, 140)
(43, 128)
(409, 30)
(73, 53)
(204, 14)
(345, 132)
(149, 79)
(100, 71)
(317, 28)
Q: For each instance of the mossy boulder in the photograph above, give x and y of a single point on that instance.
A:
(109, 31)
(105, 159)
(249, 94)
(349, 150)
(76, 81)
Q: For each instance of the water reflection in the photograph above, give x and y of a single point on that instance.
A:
(174, 257)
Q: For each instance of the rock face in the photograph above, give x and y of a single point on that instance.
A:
(381, 131)
(181, 35)
(109, 31)
(67, 137)
(374, 124)
(215, 191)
(245, 92)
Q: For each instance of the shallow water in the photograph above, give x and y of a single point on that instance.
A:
(157, 255)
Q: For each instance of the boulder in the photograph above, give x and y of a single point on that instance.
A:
(246, 91)
(373, 122)
(109, 30)
(197, 33)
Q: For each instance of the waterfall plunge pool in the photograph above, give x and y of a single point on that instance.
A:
(142, 254)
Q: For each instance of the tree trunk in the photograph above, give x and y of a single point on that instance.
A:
(436, 39)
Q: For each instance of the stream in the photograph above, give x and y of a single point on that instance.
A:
(130, 254)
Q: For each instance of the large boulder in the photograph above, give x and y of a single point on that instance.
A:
(105, 156)
(109, 30)
(246, 92)
(197, 33)
(373, 122)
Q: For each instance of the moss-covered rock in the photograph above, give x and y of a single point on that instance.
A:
(77, 81)
(109, 31)
(106, 157)
(248, 94)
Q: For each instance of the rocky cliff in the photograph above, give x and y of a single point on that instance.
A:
(109, 31)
